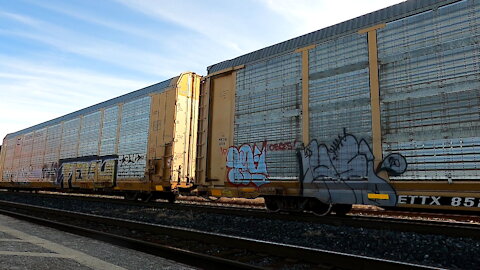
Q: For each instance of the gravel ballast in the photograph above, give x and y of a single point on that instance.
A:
(434, 250)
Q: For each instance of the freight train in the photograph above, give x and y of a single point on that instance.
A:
(379, 110)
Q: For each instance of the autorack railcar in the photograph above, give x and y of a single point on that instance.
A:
(134, 145)
(381, 110)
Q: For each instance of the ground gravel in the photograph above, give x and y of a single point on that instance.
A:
(434, 250)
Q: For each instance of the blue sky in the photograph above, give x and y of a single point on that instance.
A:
(59, 56)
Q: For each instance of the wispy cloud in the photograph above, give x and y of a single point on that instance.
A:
(310, 15)
(139, 31)
(32, 93)
(238, 26)
(97, 49)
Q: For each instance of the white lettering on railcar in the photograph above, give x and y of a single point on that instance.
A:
(435, 200)
(415, 199)
(466, 202)
(402, 199)
(439, 200)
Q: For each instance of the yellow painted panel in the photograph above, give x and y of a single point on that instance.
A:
(216, 192)
(85, 171)
(143, 186)
(186, 123)
(173, 131)
(305, 99)
(222, 92)
(160, 129)
(375, 96)
(158, 188)
(154, 126)
(160, 134)
(68, 170)
(181, 130)
(169, 116)
(203, 120)
(378, 196)
(84, 185)
(106, 172)
(248, 189)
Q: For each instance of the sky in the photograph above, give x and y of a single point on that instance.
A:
(59, 56)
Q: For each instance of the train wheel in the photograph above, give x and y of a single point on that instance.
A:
(131, 196)
(146, 197)
(171, 198)
(272, 204)
(341, 209)
(320, 209)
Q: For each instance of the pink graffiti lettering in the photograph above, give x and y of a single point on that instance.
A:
(282, 146)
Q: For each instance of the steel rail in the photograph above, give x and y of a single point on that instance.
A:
(329, 259)
(455, 229)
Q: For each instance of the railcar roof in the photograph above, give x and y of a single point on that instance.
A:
(158, 87)
(385, 15)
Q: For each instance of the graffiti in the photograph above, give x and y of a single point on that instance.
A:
(125, 160)
(23, 174)
(131, 166)
(83, 169)
(394, 164)
(222, 141)
(67, 170)
(280, 146)
(50, 171)
(344, 172)
(283, 146)
(246, 164)
(107, 170)
(8, 175)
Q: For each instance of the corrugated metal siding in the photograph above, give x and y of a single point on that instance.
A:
(389, 14)
(70, 133)
(108, 142)
(25, 156)
(339, 89)
(268, 96)
(54, 139)
(38, 151)
(132, 148)
(430, 81)
(9, 146)
(89, 134)
(16, 158)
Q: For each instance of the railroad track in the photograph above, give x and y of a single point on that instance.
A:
(356, 211)
(415, 213)
(197, 248)
(376, 221)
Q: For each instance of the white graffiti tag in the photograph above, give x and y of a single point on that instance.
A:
(344, 172)
(246, 164)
